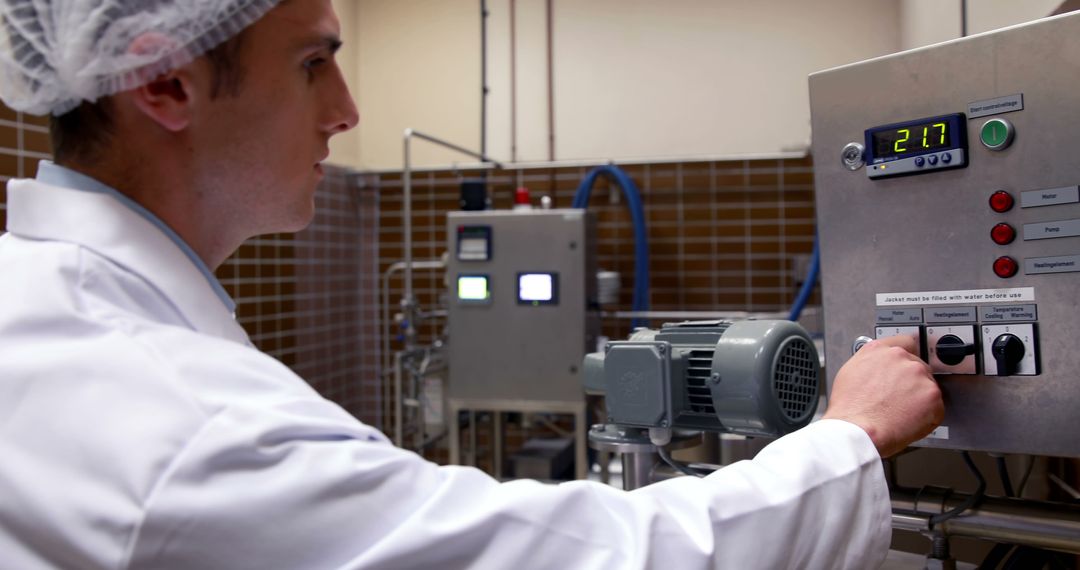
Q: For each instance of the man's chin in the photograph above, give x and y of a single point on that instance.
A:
(300, 223)
(301, 217)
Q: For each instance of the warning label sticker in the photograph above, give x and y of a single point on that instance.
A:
(1013, 295)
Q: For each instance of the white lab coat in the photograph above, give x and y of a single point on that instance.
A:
(139, 429)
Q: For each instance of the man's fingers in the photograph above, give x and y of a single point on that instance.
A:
(905, 342)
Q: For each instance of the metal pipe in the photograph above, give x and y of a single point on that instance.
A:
(398, 408)
(1040, 524)
(551, 81)
(392, 402)
(390, 271)
(513, 80)
(963, 19)
(1053, 526)
(409, 302)
(546, 164)
(483, 76)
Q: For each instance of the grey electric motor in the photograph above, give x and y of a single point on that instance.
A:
(757, 378)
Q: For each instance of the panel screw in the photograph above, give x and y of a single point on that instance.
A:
(715, 378)
(661, 348)
(663, 423)
(607, 347)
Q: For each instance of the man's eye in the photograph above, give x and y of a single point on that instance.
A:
(311, 64)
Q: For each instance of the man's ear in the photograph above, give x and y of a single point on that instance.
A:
(167, 100)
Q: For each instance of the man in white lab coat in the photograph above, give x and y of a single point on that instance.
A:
(140, 429)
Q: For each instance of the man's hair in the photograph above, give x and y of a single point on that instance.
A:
(81, 134)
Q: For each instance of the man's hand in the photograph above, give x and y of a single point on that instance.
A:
(889, 392)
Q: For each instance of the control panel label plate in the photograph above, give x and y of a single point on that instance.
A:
(995, 106)
(1050, 197)
(899, 316)
(1057, 264)
(1009, 313)
(951, 315)
(1012, 295)
(1047, 230)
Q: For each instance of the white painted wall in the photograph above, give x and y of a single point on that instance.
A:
(345, 147)
(642, 78)
(986, 15)
(925, 22)
(632, 78)
(418, 66)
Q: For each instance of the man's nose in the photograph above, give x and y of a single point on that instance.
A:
(342, 113)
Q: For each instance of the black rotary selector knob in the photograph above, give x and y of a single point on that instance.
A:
(1008, 351)
(952, 350)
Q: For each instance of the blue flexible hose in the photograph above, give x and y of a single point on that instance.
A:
(637, 216)
(808, 285)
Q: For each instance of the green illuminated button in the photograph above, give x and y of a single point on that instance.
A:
(996, 134)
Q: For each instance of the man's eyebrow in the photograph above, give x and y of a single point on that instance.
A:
(328, 42)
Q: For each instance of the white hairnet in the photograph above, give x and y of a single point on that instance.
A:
(55, 54)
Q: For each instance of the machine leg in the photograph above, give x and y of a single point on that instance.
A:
(637, 469)
(472, 437)
(497, 439)
(581, 467)
(455, 436)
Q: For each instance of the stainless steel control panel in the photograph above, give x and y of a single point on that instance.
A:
(522, 304)
(980, 261)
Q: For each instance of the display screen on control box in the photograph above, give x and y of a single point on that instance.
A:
(538, 288)
(911, 139)
(921, 136)
(473, 288)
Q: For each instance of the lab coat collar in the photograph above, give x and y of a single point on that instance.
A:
(55, 175)
(102, 224)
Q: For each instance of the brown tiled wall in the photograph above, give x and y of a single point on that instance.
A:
(24, 140)
(307, 299)
(722, 235)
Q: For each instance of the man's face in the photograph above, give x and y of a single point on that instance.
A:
(258, 153)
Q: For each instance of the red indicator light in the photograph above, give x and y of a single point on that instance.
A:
(521, 195)
(1001, 201)
(1005, 267)
(1003, 234)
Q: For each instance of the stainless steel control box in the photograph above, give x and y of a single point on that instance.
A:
(522, 304)
(947, 185)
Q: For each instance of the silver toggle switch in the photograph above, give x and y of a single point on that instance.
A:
(859, 343)
(852, 156)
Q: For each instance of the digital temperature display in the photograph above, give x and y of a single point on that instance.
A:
(912, 138)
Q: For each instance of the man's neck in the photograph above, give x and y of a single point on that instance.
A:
(169, 194)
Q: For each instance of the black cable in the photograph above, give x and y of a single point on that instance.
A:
(1003, 472)
(968, 503)
(681, 468)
